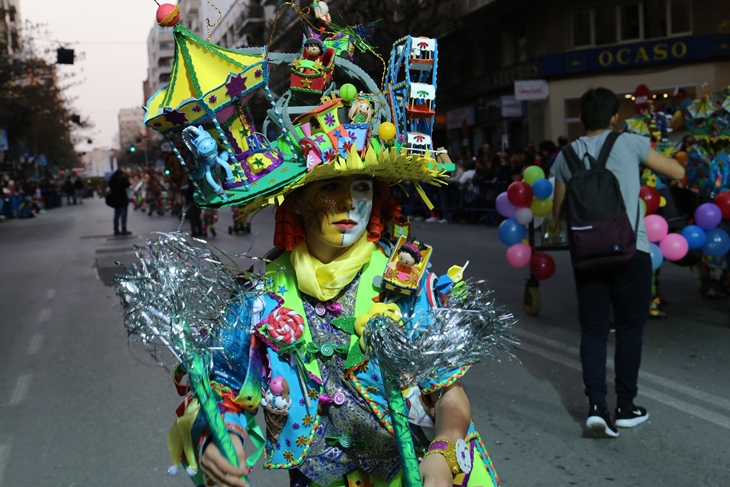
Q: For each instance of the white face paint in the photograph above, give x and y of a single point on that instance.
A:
(361, 193)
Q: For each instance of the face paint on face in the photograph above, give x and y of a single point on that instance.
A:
(336, 212)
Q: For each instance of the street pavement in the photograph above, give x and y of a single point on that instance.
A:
(80, 407)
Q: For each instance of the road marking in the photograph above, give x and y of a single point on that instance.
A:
(45, 315)
(688, 408)
(35, 344)
(21, 389)
(51, 294)
(4, 458)
(648, 376)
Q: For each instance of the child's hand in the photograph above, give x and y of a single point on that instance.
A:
(219, 470)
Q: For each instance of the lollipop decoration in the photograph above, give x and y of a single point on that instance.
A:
(423, 346)
(175, 300)
(168, 15)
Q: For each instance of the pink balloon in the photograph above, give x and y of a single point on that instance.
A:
(656, 228)
(674, 246)
(519, 255)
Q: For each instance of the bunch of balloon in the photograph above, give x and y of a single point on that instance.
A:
(704, 234)
(664, 245)
(527, 201)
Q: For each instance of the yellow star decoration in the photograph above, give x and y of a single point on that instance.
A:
(318, 65)
(284, 170)
(297, 63)
(306, 83)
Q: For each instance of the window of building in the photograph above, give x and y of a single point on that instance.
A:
(166, 45)
(164, 62)
(514, 43)
(629, 22)
(164, 77)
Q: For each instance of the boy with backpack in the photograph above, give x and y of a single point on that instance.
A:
(597, 188)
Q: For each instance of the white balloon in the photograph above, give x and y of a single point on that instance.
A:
(538, 221)
(523, 216)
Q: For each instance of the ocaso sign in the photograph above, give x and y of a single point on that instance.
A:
(632, 55)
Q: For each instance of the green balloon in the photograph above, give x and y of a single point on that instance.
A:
(348, 92)
(532, 174)
(643, 206)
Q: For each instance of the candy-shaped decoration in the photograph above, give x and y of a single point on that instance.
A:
(386, 131)
(674, 247)
(519, 255)
(285, 326)
(656, 228)
(651, 197)
(542, 266)
(168, 15)
(708, 216)
(520, 194)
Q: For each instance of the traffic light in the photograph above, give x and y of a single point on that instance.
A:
(167, 171)
(132, 149)
(64, 56)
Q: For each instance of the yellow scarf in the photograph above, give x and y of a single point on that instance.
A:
(324, 281)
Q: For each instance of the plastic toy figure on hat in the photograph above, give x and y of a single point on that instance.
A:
(344, 334)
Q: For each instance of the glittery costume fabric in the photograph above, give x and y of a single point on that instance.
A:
(374, 449)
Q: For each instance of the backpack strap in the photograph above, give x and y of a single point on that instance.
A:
(606, 149)
(572, 160)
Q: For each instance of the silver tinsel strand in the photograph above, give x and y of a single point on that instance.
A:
(176, 296)
(425, 345)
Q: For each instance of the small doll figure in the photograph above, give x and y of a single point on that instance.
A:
(322, 11)
(405, 270)
(313, 49)
(361, 111)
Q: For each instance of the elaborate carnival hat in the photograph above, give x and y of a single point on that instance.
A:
(210, 89)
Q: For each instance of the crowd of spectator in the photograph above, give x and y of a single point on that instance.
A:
(476, 182)
(23, 197)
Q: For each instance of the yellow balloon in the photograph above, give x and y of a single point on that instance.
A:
(541, 207)
(386, 131)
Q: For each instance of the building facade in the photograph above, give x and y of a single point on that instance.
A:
(9, 25)
(131, 127)
(573, 45)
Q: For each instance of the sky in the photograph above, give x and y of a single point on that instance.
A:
(112, 34)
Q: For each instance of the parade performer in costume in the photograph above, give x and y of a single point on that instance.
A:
(356, 383)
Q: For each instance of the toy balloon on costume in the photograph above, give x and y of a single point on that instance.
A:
(656, 256)
(542, 189)
(695, 236)
(717, 243)
(504, 207)
(656, 227)
(511, 232)
(674, 247)
(651, 197)
(520, 194)
(519, 255)
(542, 266)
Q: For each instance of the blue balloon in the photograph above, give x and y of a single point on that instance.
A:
(695, 236)
(717, 243)
(542, 189)
(511, 232)
(656, 257)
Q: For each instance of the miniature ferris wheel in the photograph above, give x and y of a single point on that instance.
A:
(411, 87)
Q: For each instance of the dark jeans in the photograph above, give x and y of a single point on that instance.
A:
(120, 213)
(626, 289)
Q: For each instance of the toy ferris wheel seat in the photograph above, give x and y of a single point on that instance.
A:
(418, 142)
(210, 86)
(310, 76)
(420, 100)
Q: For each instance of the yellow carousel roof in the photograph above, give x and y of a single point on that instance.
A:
(205, 78)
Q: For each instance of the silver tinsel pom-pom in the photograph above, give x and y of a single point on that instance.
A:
(424, 345)
(176, 296)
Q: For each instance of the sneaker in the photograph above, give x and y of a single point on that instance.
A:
(126, 232)
(599, 422)
(631, 416)
(432, 219)
(443, 220)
